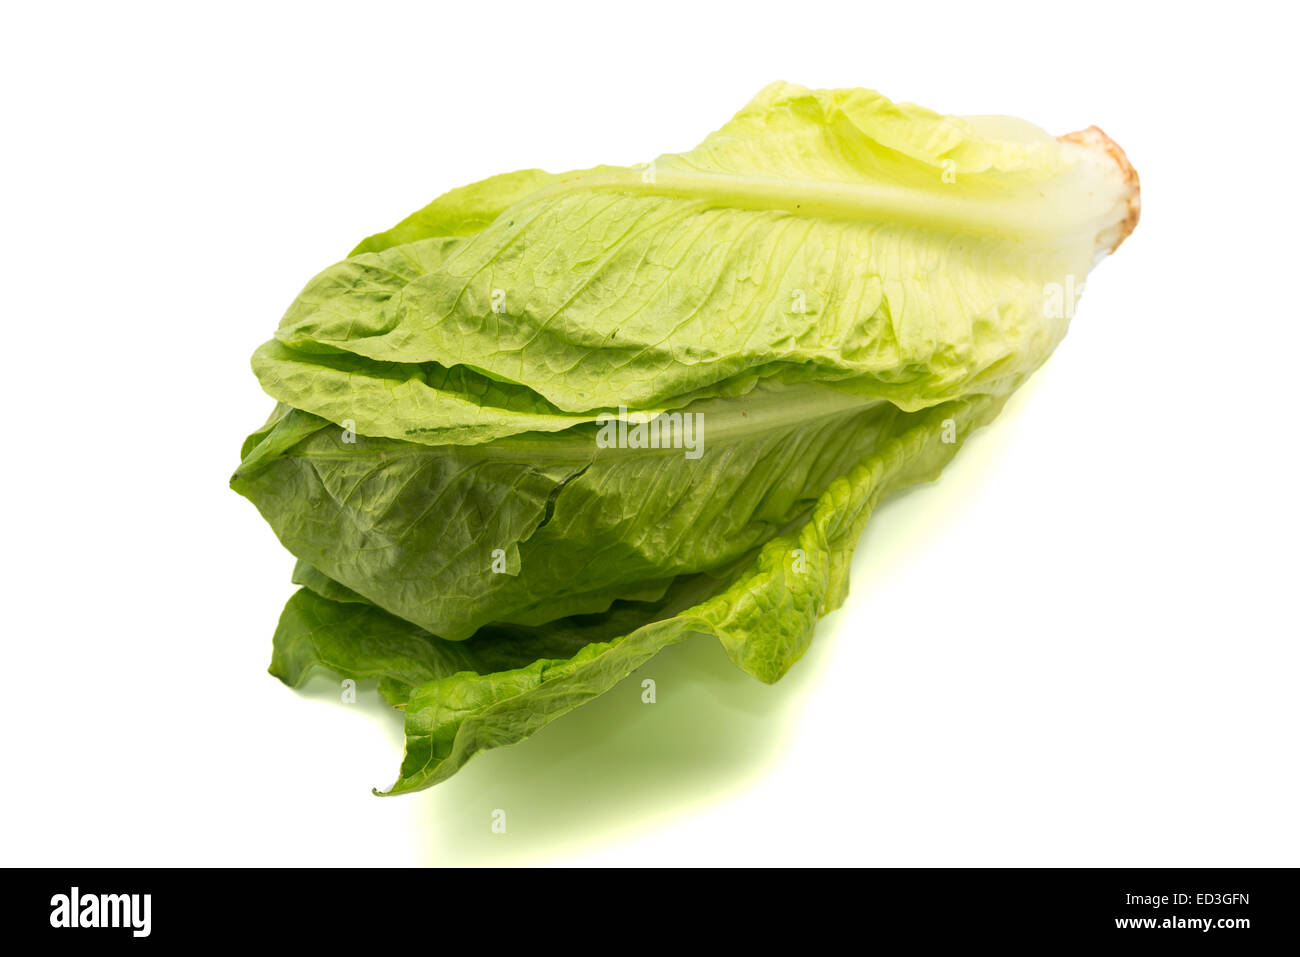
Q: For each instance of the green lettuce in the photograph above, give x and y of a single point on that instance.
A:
(550, 424)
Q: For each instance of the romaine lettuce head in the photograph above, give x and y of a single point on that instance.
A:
(550, 424)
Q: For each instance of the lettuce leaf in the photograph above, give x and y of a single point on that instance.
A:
(793, 242)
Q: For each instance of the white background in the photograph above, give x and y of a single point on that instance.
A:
(1078, 648)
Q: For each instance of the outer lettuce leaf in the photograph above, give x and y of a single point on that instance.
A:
(429, 403)
(815, 236)
(569, 526)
